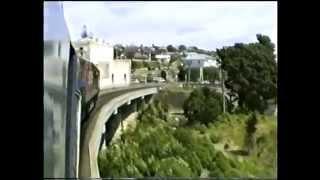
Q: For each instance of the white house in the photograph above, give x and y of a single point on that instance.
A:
(196, 60)
(163, 58)
(112, 72)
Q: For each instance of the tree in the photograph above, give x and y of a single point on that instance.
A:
(174, 58)
(170, 48)
(141, 49)
(194, 74)
(211, 74)
(203, 105)
(137, 65)
(161, 51)
(118, 49)
(130, 51)
(193, 49)
(251, 129)
(182, 73)
(164, 75)
(182, 48)
(252, 73)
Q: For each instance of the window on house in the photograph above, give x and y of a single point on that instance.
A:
(112, 78)
(105, 70)
(81, 51)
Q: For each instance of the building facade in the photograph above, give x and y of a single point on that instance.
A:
(113, 73)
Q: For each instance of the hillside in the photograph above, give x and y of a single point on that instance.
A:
(158, 146)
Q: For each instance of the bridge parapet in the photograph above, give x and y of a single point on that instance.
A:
(92, 136)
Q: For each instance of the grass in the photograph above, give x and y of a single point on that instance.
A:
(231, 130)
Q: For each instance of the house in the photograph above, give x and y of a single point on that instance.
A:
(112, 72)
(163, 58)
(141, 56)
(196, 60)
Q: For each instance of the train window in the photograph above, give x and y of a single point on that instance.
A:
(125, 77)
(59, 49)
(64, 49)
(112, 78)
(49, 48)
(81, 51)
(56, 49)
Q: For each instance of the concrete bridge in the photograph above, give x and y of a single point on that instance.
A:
(112, 105)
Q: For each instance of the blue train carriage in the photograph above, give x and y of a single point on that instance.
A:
(62, 96)
(89, 86)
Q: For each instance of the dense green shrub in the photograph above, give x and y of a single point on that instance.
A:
(146, 64)
(137, 65)
(154, 148)
(214, 138)
(173, 167)
(203, 105)
(211, 74)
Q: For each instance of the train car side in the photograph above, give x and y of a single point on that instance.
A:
(89, 86)
(61, 101)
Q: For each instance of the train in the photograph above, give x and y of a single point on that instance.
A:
(89, 87)
(71, 90)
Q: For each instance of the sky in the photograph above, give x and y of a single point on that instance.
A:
(207, 25)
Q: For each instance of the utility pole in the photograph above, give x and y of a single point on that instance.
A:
(222, 88)
(189, 71)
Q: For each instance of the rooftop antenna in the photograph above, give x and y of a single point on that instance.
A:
(84, 33)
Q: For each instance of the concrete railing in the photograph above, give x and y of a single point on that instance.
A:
(95, 128)
(131, 87)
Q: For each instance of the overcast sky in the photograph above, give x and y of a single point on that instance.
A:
(207, 25)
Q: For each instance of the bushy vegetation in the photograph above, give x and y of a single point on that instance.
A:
(252, 139)
(182, 73)
(144, 64)
(203, 105)
(174, 97)
(211, 74)
(156, 147)
(137, 65)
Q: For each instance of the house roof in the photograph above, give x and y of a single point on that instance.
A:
(197, 56)
(162, 56)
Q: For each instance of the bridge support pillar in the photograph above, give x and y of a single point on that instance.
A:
(140, 103)
(129, 108)
(135, 106)
(148, 99)
(111, 126)
(102, 145)
(103, 139)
